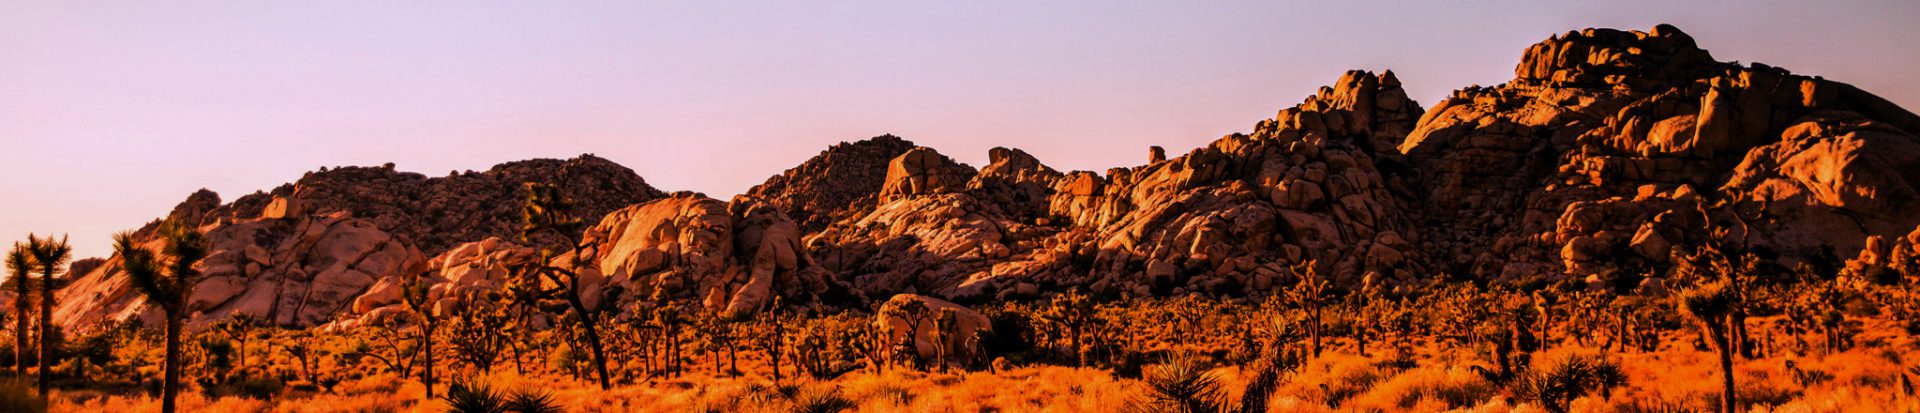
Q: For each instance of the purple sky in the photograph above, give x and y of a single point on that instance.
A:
(112, 112)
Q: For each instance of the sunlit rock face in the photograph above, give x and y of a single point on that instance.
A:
(286, 271)
(306, 252)
(1611, 148)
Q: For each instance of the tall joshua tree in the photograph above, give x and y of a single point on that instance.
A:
(414, 291)
(549, 212)
(1711, 306)
(20, 267)
(167, 279)
(51, 255)
(1309, 295)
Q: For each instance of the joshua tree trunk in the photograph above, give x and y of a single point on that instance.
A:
(1313, 326)
(593, 341)
(20, 334)
(426, 354)
(46, 331)
(1719, 338)
(170, 382)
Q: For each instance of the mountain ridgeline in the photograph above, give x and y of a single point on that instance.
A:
(1609, 154)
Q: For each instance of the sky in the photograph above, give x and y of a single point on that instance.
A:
(112, 112)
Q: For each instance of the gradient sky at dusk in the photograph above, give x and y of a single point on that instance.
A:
(112, 112)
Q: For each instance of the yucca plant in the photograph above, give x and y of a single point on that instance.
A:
(464, 397)
(821, 400)
(20, 267)
(532, 401)
(167, 279)
(1181, 385)
(476, 397)
(1555, 386)
(1277, 359)
(51, 255)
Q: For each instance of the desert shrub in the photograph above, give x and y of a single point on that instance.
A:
(821, 400)
(1456, 388)
(1182, 384)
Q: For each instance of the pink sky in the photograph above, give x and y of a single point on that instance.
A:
(112, 112)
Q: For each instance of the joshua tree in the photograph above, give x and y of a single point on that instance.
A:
(1309, 296)
(913, 313)
(773, 333)
(1711, 306)
(167, 279)
(477, 332)
(669, 320)
(20, 269)
(239, 328)
(1070, 311)
(414, 291)
(548, 211)
(51, 255)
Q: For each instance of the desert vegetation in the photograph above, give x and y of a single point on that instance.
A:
(1778, 339)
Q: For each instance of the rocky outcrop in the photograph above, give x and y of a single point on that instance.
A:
(1223, 219)
(293, 272)
(840, 181)
(308, 251)
(436, 214)
(1612, 147)
(1608, 150)
(922, 171)
(728, 256)
(1888, 260)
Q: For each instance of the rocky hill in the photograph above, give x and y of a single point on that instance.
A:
(300, 254)
(1609, 152)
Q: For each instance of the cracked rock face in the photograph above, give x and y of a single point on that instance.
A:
(1611, 148)
(308, 251)
(294, 272)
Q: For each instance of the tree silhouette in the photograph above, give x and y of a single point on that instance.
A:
(548, 211)
(51, 255)
(20, 266)
(913, 313)
(167, 279)
(1309, 296)
(1070, 311)
(1711, 306)
(414, 292)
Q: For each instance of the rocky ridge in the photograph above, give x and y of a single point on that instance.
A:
(1609, 150)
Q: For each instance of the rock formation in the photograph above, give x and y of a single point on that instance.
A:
(1612, 147)
(309, 250)
(838, 181)
(1609, 150)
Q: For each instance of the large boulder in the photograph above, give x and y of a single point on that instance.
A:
(961, 341)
